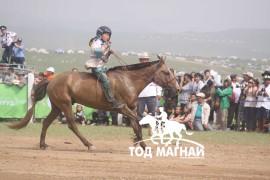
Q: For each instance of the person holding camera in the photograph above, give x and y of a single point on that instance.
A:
(18, 52)
(225, 94)
(7, 41)
(241, 114)
(250, 105)
(263, 102)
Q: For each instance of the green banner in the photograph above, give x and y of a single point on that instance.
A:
(13, 101)
(43, 108)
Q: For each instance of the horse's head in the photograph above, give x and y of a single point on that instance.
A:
(164, 77)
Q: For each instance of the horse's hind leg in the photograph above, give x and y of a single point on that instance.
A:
(46, 123)
(67, 109)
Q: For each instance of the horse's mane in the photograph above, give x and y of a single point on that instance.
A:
(133, 66)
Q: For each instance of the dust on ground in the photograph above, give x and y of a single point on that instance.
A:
(21, 158)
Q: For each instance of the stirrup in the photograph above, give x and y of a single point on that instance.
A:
(116, 105)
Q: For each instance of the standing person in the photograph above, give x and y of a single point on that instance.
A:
(18, 52)
(250, 105)
(50, 73)
(225, 94)
(234, 105)
(241, 114)
(200, 112)
(7, 40)
(207, 76)
(197, 84)
(99, 55)
(149, 95)
(264, 111)
(186, 90)
(210, 94)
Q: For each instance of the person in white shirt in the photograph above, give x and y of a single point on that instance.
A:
(263, 102)
(7, 41)
(234, 105)
(149, 95)
(197, 84)
(207, 76)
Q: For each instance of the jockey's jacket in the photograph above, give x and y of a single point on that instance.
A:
(98, 50)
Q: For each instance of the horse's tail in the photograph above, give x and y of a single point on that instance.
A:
(39, 94)
(188, 133)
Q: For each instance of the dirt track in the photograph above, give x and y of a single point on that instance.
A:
(69, 159)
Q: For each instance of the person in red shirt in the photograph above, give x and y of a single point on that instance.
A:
(50, 73)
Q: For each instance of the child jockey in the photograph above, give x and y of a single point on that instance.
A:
(99, 54)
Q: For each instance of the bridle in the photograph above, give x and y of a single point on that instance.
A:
(163, 84)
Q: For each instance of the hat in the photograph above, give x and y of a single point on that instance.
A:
(3, 28)
(50, 69)
(266, 75)
(249, 74)
(19, 40)
(144, 55)
(202, 95)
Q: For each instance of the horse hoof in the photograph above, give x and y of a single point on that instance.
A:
(91, 148)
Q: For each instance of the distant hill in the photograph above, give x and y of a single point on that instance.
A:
(244, 43)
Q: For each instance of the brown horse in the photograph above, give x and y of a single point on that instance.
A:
(126, 81)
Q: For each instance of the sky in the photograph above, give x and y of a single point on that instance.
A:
(147, 16)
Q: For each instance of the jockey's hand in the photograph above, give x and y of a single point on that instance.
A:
(111, 52)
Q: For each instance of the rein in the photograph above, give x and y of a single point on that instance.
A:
(163, 83)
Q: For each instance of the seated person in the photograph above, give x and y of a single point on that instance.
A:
(200, 112)
(9, 77)
(192, 99)
(21, 80)
(185, 118)
(79, 115)
(176, 113)
(100, 117)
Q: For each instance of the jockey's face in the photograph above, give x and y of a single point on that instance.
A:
(105, 37)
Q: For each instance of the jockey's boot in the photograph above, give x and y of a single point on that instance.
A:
(109, 95)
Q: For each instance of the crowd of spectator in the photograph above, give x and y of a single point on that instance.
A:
(240, 106)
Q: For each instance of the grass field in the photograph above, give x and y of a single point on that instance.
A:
(113, 132)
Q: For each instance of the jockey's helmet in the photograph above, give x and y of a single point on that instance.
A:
(103, 29)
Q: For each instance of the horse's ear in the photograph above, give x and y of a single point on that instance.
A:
(161, 58)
